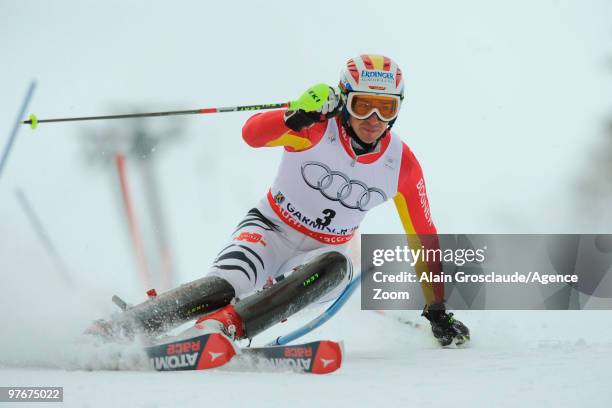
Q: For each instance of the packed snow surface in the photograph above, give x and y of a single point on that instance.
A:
(546, 358)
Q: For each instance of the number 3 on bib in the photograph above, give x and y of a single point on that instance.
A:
(329, 214)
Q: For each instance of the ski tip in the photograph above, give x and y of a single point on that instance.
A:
(33, 122)
(195, 353)
(328, 357)
(218, 351)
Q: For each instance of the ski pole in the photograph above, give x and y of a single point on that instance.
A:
(34, 121)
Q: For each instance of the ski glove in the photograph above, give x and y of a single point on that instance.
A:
(319, 103)
(444, 326)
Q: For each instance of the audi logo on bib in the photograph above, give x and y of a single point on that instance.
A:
(337, 186)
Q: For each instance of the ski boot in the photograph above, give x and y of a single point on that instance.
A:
(224, 320)
(444, 326)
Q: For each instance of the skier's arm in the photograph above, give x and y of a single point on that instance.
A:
(413, 208)
(298, 128)
(269, 129)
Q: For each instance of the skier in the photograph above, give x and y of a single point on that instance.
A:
(340, 160)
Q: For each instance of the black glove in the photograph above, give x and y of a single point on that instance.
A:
(444, 326)
(319, 103)
(299, 119)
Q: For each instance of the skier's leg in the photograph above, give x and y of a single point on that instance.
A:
(175, 307)
(306, 284)
(305, 257)
(257, 248)
(242, 266)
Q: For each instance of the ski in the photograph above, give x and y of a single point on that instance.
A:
(214, 350)
(317, 357)
(206, 351)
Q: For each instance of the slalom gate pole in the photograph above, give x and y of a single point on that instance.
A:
(159, 226)
(33, 121)
(132, 225)
(9, 144)
(43, 236)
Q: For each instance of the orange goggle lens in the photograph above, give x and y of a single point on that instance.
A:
(361, 106)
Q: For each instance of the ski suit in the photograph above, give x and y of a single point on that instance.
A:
(321, 193)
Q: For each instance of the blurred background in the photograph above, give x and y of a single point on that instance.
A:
(507, 108)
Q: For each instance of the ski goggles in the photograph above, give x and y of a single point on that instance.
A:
(362, 105)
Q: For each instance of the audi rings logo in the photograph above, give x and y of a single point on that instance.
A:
(337, 186)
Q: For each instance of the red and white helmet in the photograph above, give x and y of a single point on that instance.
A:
(372, 73)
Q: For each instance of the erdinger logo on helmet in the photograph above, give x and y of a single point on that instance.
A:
(377, 74)
(337, 186)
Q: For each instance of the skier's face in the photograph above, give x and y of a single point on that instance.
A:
(370, 129)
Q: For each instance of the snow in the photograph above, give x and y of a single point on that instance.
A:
(544, 358)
